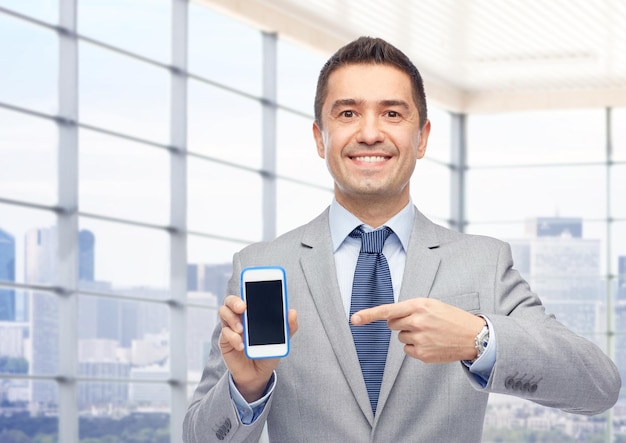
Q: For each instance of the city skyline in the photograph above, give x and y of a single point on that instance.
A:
(117, 337)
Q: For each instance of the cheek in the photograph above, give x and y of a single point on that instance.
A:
(330, 148)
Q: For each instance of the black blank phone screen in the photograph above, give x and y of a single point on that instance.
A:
(265, 312)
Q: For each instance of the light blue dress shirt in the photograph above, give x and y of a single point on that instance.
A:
(346, 250)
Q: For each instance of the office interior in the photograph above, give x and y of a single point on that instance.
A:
(143, 142)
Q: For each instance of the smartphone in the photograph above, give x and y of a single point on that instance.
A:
(266, 329)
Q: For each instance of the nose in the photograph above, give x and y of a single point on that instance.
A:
(369, 131)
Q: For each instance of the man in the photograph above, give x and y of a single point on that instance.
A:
(463, 323)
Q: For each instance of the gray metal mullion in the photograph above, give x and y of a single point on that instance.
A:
(610, 307)
(269, 135)
(67, 222)
(457, 171)
(178, 220)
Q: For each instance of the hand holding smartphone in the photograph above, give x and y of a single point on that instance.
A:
(265, 324)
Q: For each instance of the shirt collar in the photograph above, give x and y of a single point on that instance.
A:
(342, 222)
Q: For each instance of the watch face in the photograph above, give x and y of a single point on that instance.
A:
(482, 339)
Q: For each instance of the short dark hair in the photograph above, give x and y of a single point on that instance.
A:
(370, 50)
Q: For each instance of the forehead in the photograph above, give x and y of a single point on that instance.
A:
(369, 82)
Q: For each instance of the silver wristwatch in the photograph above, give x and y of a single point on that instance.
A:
(481, 340)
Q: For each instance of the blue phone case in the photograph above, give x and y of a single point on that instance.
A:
(286, 307)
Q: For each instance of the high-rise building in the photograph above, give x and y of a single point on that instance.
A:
(86, 246)
(200, 325)
(209, 278)
(555, 227)
(564, 270)
(621, 279)
(7, 274)
(41, 249)
(155, 396)
(103, 394)
(206, 286)
(39, 259)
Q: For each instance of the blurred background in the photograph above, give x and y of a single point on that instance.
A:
(143, 142)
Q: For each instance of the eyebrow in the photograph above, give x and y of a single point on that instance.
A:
(344, 102)
(400, 103)
(353, 102)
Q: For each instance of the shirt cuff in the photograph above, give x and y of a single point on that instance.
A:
(249, 412)
(482, 367)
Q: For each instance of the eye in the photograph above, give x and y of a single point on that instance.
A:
(393, 114)
(346, 114)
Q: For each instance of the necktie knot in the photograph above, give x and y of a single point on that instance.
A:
(372, 242)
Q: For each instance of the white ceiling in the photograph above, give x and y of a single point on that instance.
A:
(474, 55)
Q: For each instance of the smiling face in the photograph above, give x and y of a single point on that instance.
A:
(370, 136)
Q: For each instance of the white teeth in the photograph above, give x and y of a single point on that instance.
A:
(370, 159)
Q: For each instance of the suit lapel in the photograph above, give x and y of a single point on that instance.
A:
(422, 262)
(318, 266)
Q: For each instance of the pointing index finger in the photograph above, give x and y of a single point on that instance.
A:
(381, 312)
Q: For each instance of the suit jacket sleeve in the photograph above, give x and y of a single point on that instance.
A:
(212, 415)
(540, 359)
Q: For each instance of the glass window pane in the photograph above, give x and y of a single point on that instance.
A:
(618, 191)
(587, 250)
(597, 232)
(130, 421)
(36, 251)
(618, 126)
(100, 396)
(574, 300)
(439, 140)
(224, 201)
(13, 301)
(502, 231)
(224, 125)
(36, 247)
(43, 348)
(209, 268)
(210, 251)
(140, 26)
(29, 60)
(296, 152)
(430, 189)
(620, 325)
(298, 204)
(123, 179)
(512, 419)
(23, 417)
(509, 194)
(200, 326)
(45, 10)
(29, 342)
(224, 50)
(152, 395)
(16, 391)
(296, 71)
(618, 253)
(572, 136)
(125, 332)
(28, 158)
(128, 259)
(122, 94)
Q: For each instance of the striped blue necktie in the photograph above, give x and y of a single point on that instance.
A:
(371, 287)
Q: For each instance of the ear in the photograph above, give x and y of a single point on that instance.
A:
(423, 143)
(319, 140)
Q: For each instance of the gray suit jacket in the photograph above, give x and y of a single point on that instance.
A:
(320, 395)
